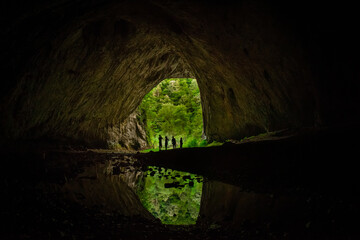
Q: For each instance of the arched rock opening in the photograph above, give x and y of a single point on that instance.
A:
(84, 70)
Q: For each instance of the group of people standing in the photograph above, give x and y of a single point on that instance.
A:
(173, 141)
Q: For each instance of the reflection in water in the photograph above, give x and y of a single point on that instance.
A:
(181, 198)
(171, 196)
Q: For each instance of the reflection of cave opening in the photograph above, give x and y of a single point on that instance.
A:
(172, 196)
(173, 108)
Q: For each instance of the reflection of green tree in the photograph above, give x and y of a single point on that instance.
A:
(173, 108)
(179, 206)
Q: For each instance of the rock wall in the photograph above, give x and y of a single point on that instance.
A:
(130, 134)
(72, 69)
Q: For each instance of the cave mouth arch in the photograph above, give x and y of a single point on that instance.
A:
(173, 109)
(80, 78)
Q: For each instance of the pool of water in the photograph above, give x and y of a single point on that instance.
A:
(172, 196)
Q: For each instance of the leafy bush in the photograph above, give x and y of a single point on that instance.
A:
(191, 142)
(203, 143)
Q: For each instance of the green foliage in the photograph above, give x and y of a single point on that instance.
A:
(203, 143)
(214, 143)
(192, 142)
(177, 205)
(149, 150)
(173, 108)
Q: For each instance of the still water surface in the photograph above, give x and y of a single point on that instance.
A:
(172, 196)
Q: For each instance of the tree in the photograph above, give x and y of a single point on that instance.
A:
(173, 108)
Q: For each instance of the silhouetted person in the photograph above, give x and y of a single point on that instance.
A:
(173, 141)
(166, 142)
(160, 142)
(181, 142)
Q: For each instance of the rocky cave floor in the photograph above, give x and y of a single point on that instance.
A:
(29, 211)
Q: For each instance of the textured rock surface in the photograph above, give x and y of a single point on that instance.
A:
(130, 134)
(73, 70)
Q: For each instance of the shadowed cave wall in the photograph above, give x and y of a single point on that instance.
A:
(75, 71)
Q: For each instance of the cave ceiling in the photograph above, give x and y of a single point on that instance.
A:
(74, 69)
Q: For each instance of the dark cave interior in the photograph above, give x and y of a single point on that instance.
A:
(74, 72)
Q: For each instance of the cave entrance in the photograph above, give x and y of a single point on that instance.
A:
(173, 109)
